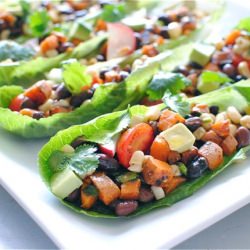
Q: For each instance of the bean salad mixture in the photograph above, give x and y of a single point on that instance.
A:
(151, 159)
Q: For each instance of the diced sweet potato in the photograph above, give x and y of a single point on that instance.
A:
(88, 197)
(130, 190)
(172, 184)
(155, 171)
(213, 154)
(168, 119)
(160, 149)
(212, 136)
(108, 190)
(229, 145)
(189, 155)
(173, 157)
(221, 128)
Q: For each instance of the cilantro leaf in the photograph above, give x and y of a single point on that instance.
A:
(113, 13)
(174, 82)
(14, 51)
(83, 161)
(38, 23)
(75, 76)
(244, 24)
(176, 103)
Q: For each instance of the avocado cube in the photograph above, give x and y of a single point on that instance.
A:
(202, 53)
(179, 138)
(64, 183)
(80, 30)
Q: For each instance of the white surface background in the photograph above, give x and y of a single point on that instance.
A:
(18, 230)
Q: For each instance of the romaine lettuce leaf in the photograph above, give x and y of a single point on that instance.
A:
(107, 97)
(244, 24)
(75, 77)
(104, 125)
(27, 73)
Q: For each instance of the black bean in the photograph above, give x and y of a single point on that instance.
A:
(238, 78)
(81, 13)
(77, 142)
(214, 110)
(62, 92)
(108, 164)
(65, 9)
(164, 32)
(229, 69)
(193, 123)
(195, 65)
(77, 100)
(165, 19)
(38, 115)
(104, 3)
(74, 196)
(64, 46)
(243, 137)
(28, 103)
(145, 194)
(100, 58)
(154, 124)
(124, 208)
(195, 113)
(138, 40)
(197, 167)
(103, 72)
(145, 37)
(181, 69)
(123, 75)
(199, 143)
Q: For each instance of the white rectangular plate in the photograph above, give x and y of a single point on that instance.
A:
(162, 228)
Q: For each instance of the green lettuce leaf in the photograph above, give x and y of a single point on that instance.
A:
(104, 124)
(27, 73)
(107, 98)
(173, 82)
(75, 77)
(7, 93)
(237, 95)
(211, 76)
(244, 24)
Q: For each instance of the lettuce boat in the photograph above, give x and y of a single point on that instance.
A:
(106, 98)
(24, 73)
(102, 131)
(209, 67)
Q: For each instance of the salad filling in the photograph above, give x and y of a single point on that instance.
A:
(147, 160)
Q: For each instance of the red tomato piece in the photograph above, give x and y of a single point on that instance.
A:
(139, 137)
(39, 93)
(16, 103)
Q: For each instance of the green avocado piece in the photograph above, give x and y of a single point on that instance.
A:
(205, 87)
(64, 183)
(80, 30)
(136, 24)
(202, 53)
